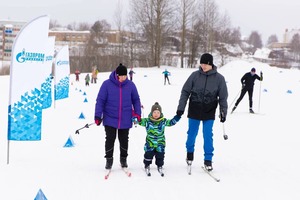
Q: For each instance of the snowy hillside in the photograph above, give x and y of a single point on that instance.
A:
(259, 160)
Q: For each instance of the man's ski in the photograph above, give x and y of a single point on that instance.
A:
(189, 167)
(210, 174)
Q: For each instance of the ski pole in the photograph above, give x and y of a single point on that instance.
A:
(85, 126)
(235, 99)
(224, 134)
(259, 94)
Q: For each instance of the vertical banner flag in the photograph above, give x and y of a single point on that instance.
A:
(46, 95)
(26, 78)
(62, 73)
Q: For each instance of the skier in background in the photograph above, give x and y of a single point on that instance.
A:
(166, 75)
(131, 72)
(247, 86)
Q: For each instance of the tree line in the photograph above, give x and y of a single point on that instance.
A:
(156, 30)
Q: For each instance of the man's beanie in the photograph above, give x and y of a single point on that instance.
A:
(253, 70)
(156, 106)
(206, 58)
(121, 70)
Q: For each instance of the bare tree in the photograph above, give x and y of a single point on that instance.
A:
(155, 18)
(97, 43)
(84, 26)
(53, 24)
(186, 12)
(207, 23)
(119, 24)
(295, 46)
(255, 40)
(72, 26)
(272, 39)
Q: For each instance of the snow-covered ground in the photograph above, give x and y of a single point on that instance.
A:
(259, 160)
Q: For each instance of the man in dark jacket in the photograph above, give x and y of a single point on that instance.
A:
(117, 102)
(205, 89)
(247, 86)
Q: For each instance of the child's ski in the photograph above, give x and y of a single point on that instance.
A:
(210, 174)
(147, 171)
(160, 171)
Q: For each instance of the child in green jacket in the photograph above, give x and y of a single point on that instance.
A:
(155, 144)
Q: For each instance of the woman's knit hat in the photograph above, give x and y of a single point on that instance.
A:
(121, 70)
(156, 106)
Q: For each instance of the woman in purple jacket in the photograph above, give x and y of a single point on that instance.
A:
(117, 102)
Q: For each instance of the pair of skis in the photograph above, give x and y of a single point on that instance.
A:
(189, 170)
(124, 169)
(160, 171)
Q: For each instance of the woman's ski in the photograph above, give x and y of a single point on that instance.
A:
(124, 169)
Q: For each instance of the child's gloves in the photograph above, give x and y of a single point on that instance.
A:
(138, 117)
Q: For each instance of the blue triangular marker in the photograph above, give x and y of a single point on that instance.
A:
(69, 142)
(85, 100)
(84, 93)
(289, 91)
(81, 116)
(40, 195)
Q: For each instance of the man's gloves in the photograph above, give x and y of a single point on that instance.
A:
(243, 85)
(222, 117)
(98, 121)
(179, 113)
(176, 118)
(261, 75)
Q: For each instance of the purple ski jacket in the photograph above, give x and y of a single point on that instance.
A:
(117, 102)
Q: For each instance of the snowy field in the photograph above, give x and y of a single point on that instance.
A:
(259, 161)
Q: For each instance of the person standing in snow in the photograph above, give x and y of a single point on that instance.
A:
(117, 101)
(155, 145)
(166, 76)
(94, 75)
(131, 72)
(77, 72)
(247, 86)
(205, 89)
(87, 79)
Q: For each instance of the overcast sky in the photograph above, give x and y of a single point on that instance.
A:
(265, 16)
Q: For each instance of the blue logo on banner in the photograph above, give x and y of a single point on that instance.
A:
(62, 62)
(30, 56)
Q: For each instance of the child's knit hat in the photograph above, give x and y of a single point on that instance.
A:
(156, 106)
